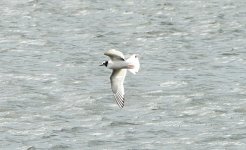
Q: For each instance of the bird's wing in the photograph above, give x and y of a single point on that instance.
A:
(117, 79)
(114, 54)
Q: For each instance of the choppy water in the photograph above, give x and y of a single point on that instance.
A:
(189, 94)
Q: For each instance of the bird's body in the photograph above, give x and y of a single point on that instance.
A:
(120, 66)
(117, 64)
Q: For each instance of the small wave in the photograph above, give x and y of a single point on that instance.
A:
(121, 123)
(173, 84)
(185, 69)
(154, 92)
(33, 42)
(228, 59)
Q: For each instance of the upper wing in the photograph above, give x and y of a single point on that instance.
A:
(117, 79)
(114, 54)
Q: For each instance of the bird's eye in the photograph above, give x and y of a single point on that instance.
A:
(136, 56)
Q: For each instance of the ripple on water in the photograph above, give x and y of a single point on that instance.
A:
(173, 84)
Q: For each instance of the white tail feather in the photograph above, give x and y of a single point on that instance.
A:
(134, 63)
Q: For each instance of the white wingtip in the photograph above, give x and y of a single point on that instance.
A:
(134, 63)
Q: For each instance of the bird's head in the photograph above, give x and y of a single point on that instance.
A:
(104, 63)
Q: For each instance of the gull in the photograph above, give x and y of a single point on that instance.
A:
(120, 65)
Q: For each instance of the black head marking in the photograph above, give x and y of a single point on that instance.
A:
(106, 63)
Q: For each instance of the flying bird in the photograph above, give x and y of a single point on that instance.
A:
(120, 65)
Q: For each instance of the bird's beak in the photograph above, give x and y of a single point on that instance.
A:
(101, 65)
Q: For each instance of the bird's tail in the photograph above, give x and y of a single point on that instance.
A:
(133, 63)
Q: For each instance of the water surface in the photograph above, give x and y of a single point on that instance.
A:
(189, 94)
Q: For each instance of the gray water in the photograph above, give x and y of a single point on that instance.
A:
(190, 92)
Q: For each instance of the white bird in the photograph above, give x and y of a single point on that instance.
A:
(120, 66)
